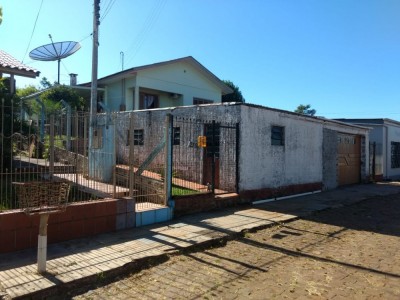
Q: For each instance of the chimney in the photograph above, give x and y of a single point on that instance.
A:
(72, 79)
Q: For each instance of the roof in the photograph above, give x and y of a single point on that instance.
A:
(10, 65)
(189, 59)
(375, 121)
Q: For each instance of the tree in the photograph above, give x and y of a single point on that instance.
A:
(236, 96)
(52, 97)
(305, 110)
(1, 15)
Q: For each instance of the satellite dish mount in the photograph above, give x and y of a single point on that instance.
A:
(55, 51)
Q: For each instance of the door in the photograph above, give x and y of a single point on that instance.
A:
(211, 155)
(349, 159)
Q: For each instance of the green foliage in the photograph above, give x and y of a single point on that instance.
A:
(1, 15)
(10, 121)
(305, 110)
(26, 91)
(45, 83)
(236, 96)
(51, 99)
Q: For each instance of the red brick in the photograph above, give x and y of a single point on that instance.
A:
(23, 238)
(7, 239)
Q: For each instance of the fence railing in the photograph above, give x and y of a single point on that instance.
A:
(122, 154)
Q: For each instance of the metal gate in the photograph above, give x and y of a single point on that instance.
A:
(205, 156)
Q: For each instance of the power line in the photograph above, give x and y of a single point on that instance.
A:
(144, 32)
(107, 9)
(33, 30)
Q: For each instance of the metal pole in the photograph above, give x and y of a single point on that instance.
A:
(42, 243)
(51, 146)
(213, 157)
(168, 158)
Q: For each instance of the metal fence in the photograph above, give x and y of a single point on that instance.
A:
(117, 154)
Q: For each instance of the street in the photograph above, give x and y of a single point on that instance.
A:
(346, 253)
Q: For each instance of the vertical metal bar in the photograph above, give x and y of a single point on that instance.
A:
(213, 157)
(131, 154)
(373, 160)
(168, 158)
(51, 147)
(115, 155)
(76, 150)
(237, 156)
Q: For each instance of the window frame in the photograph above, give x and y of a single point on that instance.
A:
(274, 132)
(395, 155)
(138, 137)
(199, 101)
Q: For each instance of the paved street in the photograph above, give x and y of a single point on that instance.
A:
(344, 253)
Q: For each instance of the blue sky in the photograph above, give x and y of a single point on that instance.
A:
(340, 56)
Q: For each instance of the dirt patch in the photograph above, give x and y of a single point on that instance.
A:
(346, 253)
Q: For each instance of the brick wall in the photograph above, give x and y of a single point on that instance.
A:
(19, 231)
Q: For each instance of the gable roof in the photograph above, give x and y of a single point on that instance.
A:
(12, 66)
(189, 59)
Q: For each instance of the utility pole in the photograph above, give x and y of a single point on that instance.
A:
(93, 91)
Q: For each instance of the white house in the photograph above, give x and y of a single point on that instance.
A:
(178, 82)
(385, 146)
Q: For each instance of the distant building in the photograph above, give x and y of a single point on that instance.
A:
(384, 146)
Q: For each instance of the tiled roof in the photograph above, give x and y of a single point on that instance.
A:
(10, 65)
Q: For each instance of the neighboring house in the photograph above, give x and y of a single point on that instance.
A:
(177, 82)
(275, 152)
(10, 65)
(385, 135)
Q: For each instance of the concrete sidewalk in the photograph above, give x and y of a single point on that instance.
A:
(86, 260)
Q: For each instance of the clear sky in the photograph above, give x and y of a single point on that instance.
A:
(340, 56)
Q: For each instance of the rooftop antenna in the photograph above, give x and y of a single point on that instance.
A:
(55, 51)
(122, 59)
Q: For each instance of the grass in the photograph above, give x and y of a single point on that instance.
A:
(178, 191)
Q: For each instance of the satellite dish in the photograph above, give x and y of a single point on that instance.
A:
(54, 51)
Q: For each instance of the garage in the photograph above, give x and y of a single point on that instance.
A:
(349, 159)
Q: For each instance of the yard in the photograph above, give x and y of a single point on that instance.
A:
(346, 253)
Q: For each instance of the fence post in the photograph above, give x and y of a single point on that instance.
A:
(131, 155)
(168, 158)
(213, 157)
(51, 147)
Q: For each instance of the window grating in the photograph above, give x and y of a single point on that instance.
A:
(395, 154)
(277, 135)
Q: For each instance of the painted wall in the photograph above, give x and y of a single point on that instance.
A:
(263, 165)
(180, 78)
(329, 158)
(393, 135)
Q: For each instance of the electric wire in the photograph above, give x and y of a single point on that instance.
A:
(145, 30)
(107, 10)
(33, 31)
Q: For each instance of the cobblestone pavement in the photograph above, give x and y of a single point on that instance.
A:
(346, 253)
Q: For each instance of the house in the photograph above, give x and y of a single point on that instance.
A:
(384, 146)
(10, 65)
(178, 82)
(257, 151)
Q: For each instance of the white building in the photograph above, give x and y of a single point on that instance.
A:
(385, 135)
